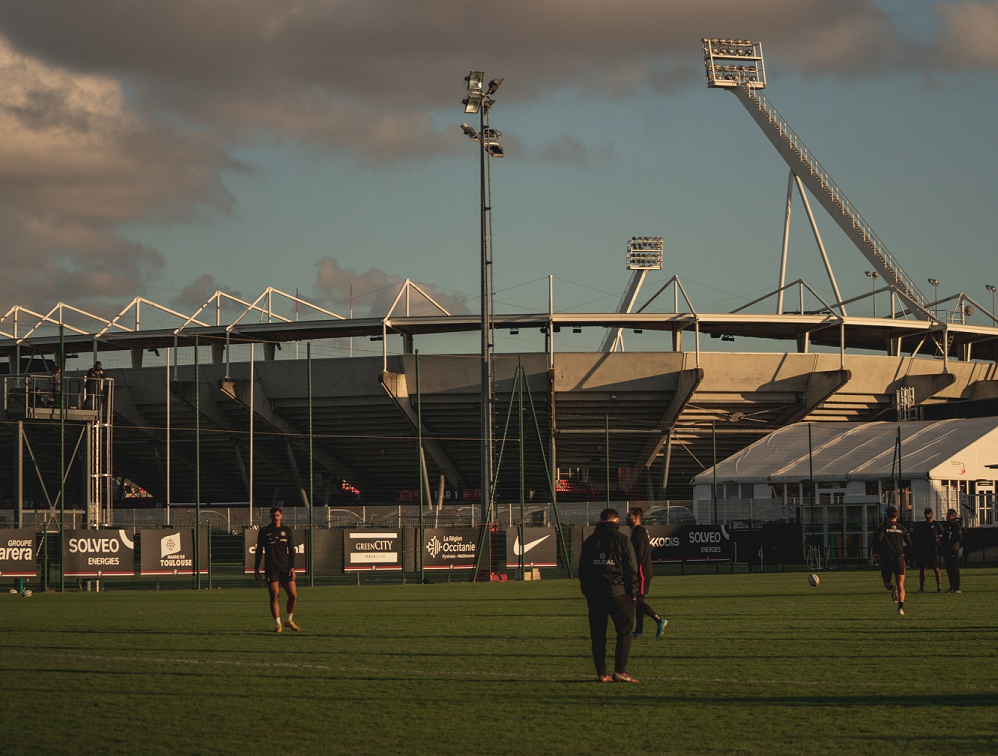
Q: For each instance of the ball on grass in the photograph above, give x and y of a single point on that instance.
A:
(813, 580)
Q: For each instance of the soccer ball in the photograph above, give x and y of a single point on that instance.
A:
(813, 580)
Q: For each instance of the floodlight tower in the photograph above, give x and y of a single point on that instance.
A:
(479, 100)
(644, 253)
(737, 65)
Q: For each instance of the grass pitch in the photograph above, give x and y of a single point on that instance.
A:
(750, 664)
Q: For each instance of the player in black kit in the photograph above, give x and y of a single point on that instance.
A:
(890, 540)
(277, 544)
(642, 554)
(927, 537)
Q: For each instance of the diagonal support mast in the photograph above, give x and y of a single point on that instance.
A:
(738, 65)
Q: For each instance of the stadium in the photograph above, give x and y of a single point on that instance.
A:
(280, 401)
(199, 421)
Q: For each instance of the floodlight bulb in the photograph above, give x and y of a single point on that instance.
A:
(475, 79)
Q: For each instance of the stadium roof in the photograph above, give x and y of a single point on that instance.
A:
(934, 450)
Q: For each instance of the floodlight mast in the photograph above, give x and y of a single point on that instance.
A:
(737, 65)
(644, 253)
(479, 100)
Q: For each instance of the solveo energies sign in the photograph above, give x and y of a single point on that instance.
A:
(17, 553)
(99, 553)
(171, 552)
(536, 548)
(450, 548)
(706, 543)
(372, 550)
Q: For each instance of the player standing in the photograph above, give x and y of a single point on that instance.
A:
(277, 544)
(608, 576)
(890, 540)
(927, 536)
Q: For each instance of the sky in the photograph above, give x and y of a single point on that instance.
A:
(172, 148)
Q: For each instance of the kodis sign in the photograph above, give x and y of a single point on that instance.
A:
(171, 552)
(666, 543)
(99, 553)
(707, 543)
(18, 557)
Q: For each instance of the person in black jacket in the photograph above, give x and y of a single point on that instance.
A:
(642, 554)
(927, 536)
(952, 538)
(891, 539)
(608, 576)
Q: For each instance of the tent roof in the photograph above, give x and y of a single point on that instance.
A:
(955, 449)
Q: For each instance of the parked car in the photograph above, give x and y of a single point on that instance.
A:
(669, 515)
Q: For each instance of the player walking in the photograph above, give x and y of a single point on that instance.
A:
(890, 540)
(642, 553)
(276, 543)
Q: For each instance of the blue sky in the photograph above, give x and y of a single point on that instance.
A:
(185, 147)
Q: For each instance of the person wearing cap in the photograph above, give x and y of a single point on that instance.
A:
(891, 539)
(952, 538)
(928, 535)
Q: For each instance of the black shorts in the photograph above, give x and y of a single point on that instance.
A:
(891, 567)
(927, 559)
(279, 577)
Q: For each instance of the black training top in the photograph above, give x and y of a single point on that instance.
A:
(279, 546)
(927, 536)
(606, 564)
(642, 554)
(953, 535)
(891, 539)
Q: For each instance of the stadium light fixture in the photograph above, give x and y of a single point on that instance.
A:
(472, 103)
(873, 276)
(734, 63)
(991, 288)
(479, 100)
(475, 79)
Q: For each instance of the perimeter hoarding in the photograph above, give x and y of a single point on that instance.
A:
(538, 547)
(99, 553)
(171, 552)
(450, 548)
(250, 536)
(683, 543)
(372, 550)
(18, 557)
(706, 543)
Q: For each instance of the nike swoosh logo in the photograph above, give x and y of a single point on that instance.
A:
(521, 550)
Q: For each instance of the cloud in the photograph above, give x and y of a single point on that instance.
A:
(374, 291)
(115, 112)
(198, 291)
(969, 34)
(566, 148)
(75, 163)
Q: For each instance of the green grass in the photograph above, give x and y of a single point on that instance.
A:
(752, 664)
